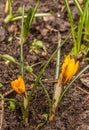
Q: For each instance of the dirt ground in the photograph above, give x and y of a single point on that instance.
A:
(73, 112)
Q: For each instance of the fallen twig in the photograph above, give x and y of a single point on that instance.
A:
(83, 90)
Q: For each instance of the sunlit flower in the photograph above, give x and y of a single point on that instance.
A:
(18, 85)
(69, 69)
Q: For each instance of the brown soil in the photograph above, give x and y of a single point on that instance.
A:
(73, 112)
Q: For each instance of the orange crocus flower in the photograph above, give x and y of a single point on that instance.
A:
(18, 85)
(69, 69)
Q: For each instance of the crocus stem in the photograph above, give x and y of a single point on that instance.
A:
(58, 57)
(21, 46)
(25, 98)
(25, 104)
(57, 86)
(57, 93)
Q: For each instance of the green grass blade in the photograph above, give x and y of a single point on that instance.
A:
(72, 25)
(29, 20)
(78, 7)
(86, 29)
(19, 16)
(21, 45)
(27, 23)
(80, 26)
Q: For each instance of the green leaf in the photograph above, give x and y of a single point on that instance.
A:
(85, 1)
(1, 85)
(72, 25)
(42, 123)
(28, 22)
(7, 57)
(36, 44)
(19, 16)
(29, 68)
(20, 9)
(12, 106)
(84, 49)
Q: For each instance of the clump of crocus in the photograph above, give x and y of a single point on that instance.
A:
(69, 69)
(19, 86)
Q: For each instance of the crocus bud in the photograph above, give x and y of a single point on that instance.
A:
(69, 69)
(18, 85)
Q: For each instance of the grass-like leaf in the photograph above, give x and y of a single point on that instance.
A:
(29, 20)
